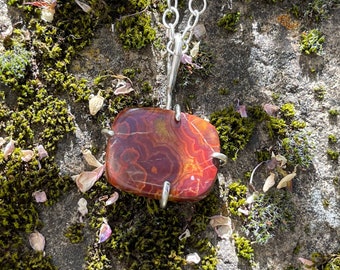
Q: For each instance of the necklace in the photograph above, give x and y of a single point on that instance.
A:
(162, 153)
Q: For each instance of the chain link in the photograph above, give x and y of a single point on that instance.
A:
(171, 22)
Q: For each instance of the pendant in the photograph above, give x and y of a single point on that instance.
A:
(152, 153)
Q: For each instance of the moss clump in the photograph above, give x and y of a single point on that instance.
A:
(135, 26)
(243, 247)
(75, 232)
(270, 212)
(311, 42)
(298, 124)
(333, 154)
(333, 113)
(236, 197)
(319, 92)
(234, 130)
(229, 21)
(288, 110)
(144, 234)
(332, 138)
(276, 126)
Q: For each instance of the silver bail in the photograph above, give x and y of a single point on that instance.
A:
(165, 194)
(173, 66)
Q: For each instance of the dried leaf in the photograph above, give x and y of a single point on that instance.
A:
(113, 198)
(184, 235)
(193, 258)
(194, 51)
(270, 109)
(219, 220)
(104, 232)
(9, 148)
(306, 262)
(82, 207)
(270, 181)
(39, 196)
(85, 7)
(123, 88)
(90, 159)
(224, 231)
(284, 181)
(37, 241)
(42, 153)
(27, 155)
(281, 159)
(86, 180)
(96, 103)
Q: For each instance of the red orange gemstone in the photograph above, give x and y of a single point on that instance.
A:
(149, 147)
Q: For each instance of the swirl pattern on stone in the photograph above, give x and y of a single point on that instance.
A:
(149, 147)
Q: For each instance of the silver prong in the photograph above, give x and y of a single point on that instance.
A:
(220, 156)
(165, 194)
(177, 109)
(107, 132)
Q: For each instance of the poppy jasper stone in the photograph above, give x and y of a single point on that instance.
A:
(149, 147)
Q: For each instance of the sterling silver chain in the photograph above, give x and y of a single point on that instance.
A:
(188, 31)
(178, 43)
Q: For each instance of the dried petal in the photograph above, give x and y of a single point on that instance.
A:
(306, 262)
(199, 31)
(96, 103)
(39, 196)
(85, 7)
(251, 198)
(27, 155)
(86, 180)
(37, 241)
(270, 109)
(241, 109)
(184, 235)
(187, 59)
(194, 51)
(9, 148)
(243, 211)
(104, 232)
(123, 88)
(270, 181)
(47, 14)
(193, 258)
(224, 231)
(219, 220)
(284, 181)
(271, 164)
(90, 159)
(82, 207)
(113, 198)
(42, 153)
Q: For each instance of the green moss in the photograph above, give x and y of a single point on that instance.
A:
(311, 42)
(144, 234)
(223, 91)
(295, 148)
(234, 130)
(243, 247)
(229, 21)
(270, 212)
(298, 124)
(333, 263)
(288, 110)
(332, 138)
(319, 92)
(276, 126)
(332, 154)
(333, 112)
(236, 197)
(75, 233)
